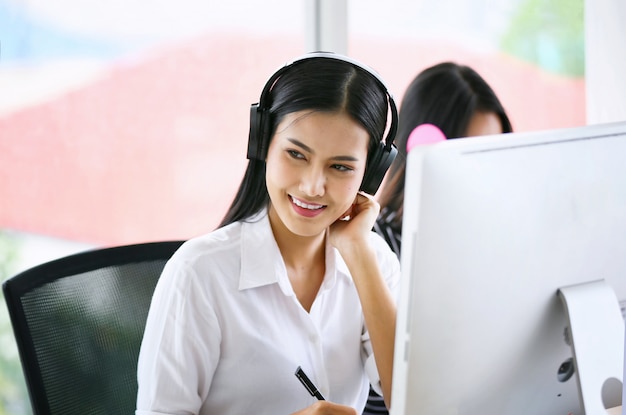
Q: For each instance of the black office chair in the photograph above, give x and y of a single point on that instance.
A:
(78, 322)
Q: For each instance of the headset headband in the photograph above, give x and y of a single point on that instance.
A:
(393, 127)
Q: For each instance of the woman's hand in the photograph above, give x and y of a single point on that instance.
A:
(362, 216)
(326, 408)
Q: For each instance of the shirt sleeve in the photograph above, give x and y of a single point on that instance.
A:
(180, 347)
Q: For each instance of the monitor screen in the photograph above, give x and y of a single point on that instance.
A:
(514, 275)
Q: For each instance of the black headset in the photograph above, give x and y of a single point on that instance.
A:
(378, 160)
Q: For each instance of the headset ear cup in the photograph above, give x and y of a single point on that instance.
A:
(255, 136)
(377, 166)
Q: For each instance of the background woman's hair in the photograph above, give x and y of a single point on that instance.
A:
(318, 84)
(446, 95)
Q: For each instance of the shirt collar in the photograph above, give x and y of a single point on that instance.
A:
(258, 253)
(335, 268)
(261, 261)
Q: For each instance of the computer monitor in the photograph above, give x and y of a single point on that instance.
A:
(513, 268)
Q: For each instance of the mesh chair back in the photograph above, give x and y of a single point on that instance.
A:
(78, 323)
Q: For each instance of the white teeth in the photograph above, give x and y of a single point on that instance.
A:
(305, 205)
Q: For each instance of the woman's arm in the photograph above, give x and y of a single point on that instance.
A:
(352, 239)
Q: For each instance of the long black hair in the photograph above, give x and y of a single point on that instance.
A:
(319, 84)
(446, 95)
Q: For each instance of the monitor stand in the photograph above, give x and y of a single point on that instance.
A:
(597, 339)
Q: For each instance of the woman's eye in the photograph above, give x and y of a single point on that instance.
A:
(295, 154)
(341, 167)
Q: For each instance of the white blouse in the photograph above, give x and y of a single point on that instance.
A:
(225, 332)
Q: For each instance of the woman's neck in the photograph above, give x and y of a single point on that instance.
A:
(305, 261)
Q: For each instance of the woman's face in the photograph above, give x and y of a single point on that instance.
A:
(315, 165)
(484, 123)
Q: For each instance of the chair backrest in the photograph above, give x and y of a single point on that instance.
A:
(78, 322)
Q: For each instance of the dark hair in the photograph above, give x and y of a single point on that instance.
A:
(319, 84)
(446, 95)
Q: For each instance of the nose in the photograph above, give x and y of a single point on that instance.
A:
(313, 182)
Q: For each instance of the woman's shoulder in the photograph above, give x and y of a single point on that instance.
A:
(213, 244)
(224, 243)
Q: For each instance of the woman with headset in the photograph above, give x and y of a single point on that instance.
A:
(293, 286)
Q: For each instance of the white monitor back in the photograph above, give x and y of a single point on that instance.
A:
(493, 227)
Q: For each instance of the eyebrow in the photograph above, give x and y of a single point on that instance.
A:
(310, 150)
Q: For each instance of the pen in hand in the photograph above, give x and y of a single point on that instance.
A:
(308, 384)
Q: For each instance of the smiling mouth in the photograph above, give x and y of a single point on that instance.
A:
(304, 205)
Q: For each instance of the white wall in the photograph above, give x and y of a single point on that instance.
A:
(605, 60)
(327, 26)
